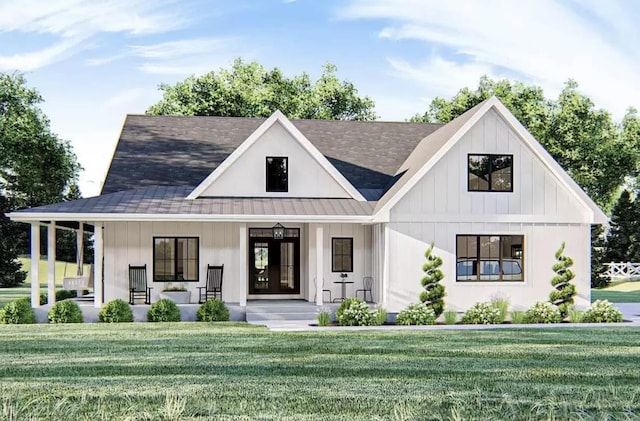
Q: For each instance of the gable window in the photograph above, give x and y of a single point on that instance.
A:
(490, 172)
(495, 258)
(175, 259)
(277, 174)
(342, 254)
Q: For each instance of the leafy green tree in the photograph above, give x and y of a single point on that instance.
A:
(433, 295)
(584, 140)
(621, 244)
(598, 259)
(36, 167)
(11, 274)
(250, 90)
(564, 292)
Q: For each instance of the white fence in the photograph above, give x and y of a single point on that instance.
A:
(624, 270)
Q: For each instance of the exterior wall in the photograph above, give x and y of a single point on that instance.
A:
(247, 176)
(408, 242)
(128, 243)
(442, 193)
(439, 207)
(362, 264)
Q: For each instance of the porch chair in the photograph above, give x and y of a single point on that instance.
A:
(367, 285)
(213, 288)
(315, 287)
(138, 287)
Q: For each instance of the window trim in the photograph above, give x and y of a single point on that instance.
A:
(343, 254)
(266, 170)
(490, 156)
(500, 259)
(175, 257)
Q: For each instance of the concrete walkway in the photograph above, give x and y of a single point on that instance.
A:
(630, 313)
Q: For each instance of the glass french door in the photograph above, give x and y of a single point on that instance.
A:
(274, 264)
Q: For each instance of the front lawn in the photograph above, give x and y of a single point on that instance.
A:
(204, 371)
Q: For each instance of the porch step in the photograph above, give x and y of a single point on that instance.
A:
(260, 311)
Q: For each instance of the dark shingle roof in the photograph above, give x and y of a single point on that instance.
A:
(182, 151)
(163, 200)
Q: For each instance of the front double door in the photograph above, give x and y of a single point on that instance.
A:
(274, 264)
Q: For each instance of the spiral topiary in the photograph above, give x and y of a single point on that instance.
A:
(433, 295)
(564, 292)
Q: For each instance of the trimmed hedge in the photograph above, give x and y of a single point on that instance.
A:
(164, 310)
(17, 312)
(116, 311)
(213, 311)
(65, 312)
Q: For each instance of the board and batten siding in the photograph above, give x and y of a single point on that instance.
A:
(131, 243)
(439, 207)
(247, 176)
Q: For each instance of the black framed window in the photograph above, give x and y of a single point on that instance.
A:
(490, 173)
(175, 259)
(277, 174)
(490, 258)
(342, 254)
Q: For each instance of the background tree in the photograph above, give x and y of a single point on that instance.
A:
(433, 294)
(250, 90)
(36, 167)
(598, 277)
(622, 240)
(564, 292)
(11, 274)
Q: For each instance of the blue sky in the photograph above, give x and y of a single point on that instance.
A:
(96, 61)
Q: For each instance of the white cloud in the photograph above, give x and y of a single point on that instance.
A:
(75, 21)
(181, 48)
(545, 42)
(36, 59)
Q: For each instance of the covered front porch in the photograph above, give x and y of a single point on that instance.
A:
(238, 246)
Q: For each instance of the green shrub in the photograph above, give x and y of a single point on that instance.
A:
(345, 304)
(481, 314)
(324, 318)
(543, 312)
(416, 314)
(17, 312)
(116, 311)
(562, 296)
(518, 317)
(380, 316)
(213, 311)
(433, 294)
(356, 313)
(502, 304)
(65, 312)
(164, 310)
(450, 317)
(64, 294)
(576, 316)
(602, 311)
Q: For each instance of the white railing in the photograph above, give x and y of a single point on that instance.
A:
(624, 270)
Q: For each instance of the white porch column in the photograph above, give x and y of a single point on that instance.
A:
(319, 263)
(385, 268)
(51, 263)
(98, 241)
(242, 270)
(35, 265)
(80, 249)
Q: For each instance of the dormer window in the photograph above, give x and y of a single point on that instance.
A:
(490, 173)
(277, 174)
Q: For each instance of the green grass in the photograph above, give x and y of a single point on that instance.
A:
(62, 268)
(232, 371)
(618, 292)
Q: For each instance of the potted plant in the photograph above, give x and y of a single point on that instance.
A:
(177, 293)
